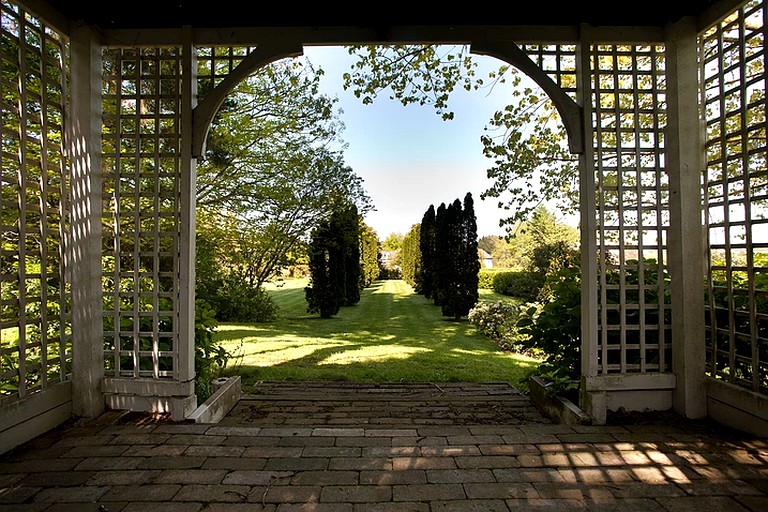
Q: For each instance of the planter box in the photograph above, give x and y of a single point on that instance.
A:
(228, 392)
(557, 408)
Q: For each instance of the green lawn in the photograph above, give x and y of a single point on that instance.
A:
(391, 335)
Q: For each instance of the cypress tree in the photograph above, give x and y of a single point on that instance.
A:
(323, 295)
(440, 258)
(459, 267)
(427, 248)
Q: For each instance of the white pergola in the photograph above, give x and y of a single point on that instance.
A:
(102, 126)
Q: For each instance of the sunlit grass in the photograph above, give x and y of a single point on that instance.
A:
(392, 335)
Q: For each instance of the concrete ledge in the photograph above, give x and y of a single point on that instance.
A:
(557, 408)
(220, 402)
(736, 407)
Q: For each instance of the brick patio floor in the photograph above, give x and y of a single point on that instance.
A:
(368, 448)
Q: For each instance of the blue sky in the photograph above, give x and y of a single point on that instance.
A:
(408, 156)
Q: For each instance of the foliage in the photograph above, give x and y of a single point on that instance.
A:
(523, 284)
(369, 255)
(391, 335)
(239, 301)
(428, 253)
(411, 259)
(485, 277)
(393, 242)
(334, 262)
(273, 163)
(210, 356)
(498, 321)
(525, 141)
(553, 328)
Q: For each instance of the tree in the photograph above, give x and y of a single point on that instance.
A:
(369, 255)
(427, 248)
(324, 295)
(270, 169)
(525, 141)
(393, 242)
(411, 258)
(459, 276)
(334, 262)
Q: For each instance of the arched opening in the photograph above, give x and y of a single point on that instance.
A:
(307, 350)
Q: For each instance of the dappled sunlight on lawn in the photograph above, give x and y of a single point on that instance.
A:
(391, 335)
(378, 353)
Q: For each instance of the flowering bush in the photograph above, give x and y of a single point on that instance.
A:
(498, 320)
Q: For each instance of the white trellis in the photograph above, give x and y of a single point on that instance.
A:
(97, 268)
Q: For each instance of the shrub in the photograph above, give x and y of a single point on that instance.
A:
(553, 327)
(210, 358)
(238, 301)
(522, 284)
(498, 320)
(485, 278)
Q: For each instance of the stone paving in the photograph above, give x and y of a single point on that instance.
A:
(354, 448)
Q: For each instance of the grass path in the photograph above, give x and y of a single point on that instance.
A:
(391, 335)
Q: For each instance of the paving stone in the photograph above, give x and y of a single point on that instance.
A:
(152, 492)
(97, 440)
(288, 494)
(69, 494)
(259, 477)
(163, 507)
(172, 463)
(285, 432)
(295, 464)
(233, 463)
(392, 432)
(315, 507)
(308, 441)
(391, 451)
(392, 507)
(123, 477)
(407, 477)
(360, 463)
(701, 503)
(154, 451)
(502, 490)
(239, 507)
(469, 506)
(215, 451)
(528, 475)
(86, 507)
(190, 476)
(138, 439)
(452, 476)
(553, 505)
(474, 440)
(331, 451)
(402, 463)
(97, 451)
(250, 441)
(487, 461)
(448, 451)
(109, 463)
(273, 451)
(241, 431)
(38, 466)
(17, 494)
(428, 492)
(356, 493)
(363, 441)
(508, 449)
(338, 432)
(185, 428)
(325, 478)
(58, 478)
(213, 493)
(195, 439)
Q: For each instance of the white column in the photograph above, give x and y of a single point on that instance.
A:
(186, 332)
(686, 248)
(84, 243)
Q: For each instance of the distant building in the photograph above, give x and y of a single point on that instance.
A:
(486, 260)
